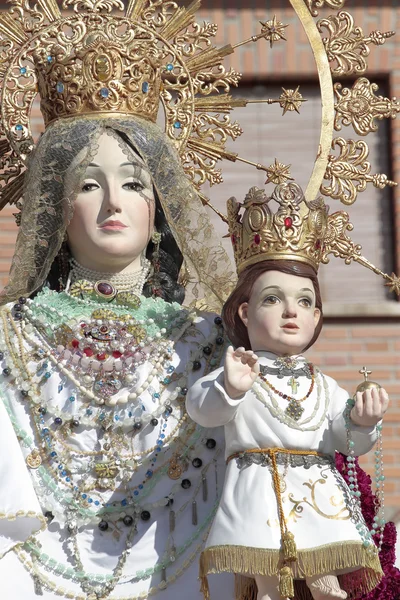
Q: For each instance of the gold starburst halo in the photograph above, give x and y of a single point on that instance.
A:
(103, 59)
(278, 173)
(273, 30)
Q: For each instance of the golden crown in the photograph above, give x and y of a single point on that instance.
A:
(290, 233)
(108, 71)
(299, 230)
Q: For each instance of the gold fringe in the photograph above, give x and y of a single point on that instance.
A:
(245, 588)
(246, 561)
(286, 585)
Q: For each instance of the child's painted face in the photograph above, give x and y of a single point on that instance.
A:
(280, 315)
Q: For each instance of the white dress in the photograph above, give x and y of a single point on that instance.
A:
(163, 558)
(329, 531)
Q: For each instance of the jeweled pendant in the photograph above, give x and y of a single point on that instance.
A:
(107, 385)
(294, 410)
(105, 290)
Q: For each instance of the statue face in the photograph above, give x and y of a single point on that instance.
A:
(114, 210)
(280, 316)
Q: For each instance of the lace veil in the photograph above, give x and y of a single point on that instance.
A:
(54, 174)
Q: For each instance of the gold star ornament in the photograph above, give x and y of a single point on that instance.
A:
(278, 173)
(393, 284)
(291, 100)
(273, 30)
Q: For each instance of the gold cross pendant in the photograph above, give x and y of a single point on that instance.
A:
(294, 384)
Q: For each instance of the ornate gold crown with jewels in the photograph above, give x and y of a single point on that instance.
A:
(105, 58)
(259, 234)
(299, 230)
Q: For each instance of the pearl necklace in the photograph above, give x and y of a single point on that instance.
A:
(124, 282)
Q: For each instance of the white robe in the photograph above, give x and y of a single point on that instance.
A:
(22, 507)
(245, 536)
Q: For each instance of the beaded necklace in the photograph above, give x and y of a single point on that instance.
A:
(276, 412)
(294, 409)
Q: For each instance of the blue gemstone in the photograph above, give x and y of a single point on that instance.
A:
(47, 375)
(170, 67)
(60, 388)
(136, 493)
(171, 369)
(19, 127)
(177, 124)
(104, 92)
(22, 70)
(156, 395)
(89, 411)
(84, 496)
(116, 417)
(60, 87)
(45, 430)
(64, 473)
(72, 399)
(145, 87)
(124, 502)
(53, 454)
(68, 479)
(141, 486)
(49, 59)
(90, 500)
(96, 502)
(60, 467)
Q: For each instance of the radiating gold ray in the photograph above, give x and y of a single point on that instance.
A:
(134, 9)
(180, 20)
(208, 58)
(50, 9)
(11, 29)
(220, 103)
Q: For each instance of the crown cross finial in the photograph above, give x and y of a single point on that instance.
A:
(364, 371)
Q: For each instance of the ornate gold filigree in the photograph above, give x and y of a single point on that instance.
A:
(278, 173)
(343, 513)
(313, 5)
(358, 106)
(346, 46)
(349, 173)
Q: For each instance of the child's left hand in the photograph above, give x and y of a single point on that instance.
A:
(370, 407)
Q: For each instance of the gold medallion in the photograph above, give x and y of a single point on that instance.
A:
(34, 460)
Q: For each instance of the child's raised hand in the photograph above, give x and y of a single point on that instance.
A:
(240, 372)
(370, 407)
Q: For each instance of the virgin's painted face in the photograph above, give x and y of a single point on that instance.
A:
(113, 212)
(280, 316)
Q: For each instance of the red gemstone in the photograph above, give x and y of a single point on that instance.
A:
(75, 343)
(105, 288)
(257, 239)
(104, 329)
(117, 354)
(101, 356)
(318, 244)
(88, 352)
(233, 239)
(288, 222)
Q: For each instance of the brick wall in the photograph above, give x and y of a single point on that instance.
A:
(345, 344)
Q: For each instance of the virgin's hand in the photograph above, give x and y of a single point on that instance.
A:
(240, 372)
(370, 407)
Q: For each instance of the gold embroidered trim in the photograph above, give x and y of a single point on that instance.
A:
(323, 559)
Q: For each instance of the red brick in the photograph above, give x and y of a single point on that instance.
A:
(376, 331)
